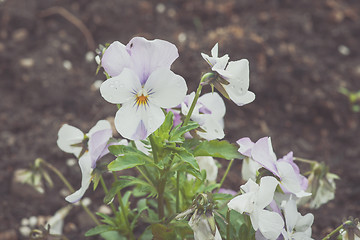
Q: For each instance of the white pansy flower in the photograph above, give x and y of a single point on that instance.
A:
(72, 140)
(142, 83)
(298, 227)
(254, 200)
(233, 77)
(209, 112)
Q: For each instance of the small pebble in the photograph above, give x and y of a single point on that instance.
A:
(182, 37)
(64, 192)
(25, 231)
(105, 210)
(86, 201)
(27, 62)
(67, 65)
(20, 35)
(89, 56)
(171, 13)
(344, 50)
(24, 222)
(160, 8)
(71, 162)
(96, 85)
(33, 221)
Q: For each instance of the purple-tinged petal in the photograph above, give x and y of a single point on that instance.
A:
(262, 152)
(141, 132)
(100, 125)
(115, 59)
(138, 122)
(86, 170)
(98, 145)
(245, 146)
(289, 158)
(147, 55)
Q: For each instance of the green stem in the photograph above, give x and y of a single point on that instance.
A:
(226, 173)
(228, 225)
(161, 189)
(197, 94)
(327, 237)
(124, 210)
(145, 176)
(68, 185)
(106, 192)
(154, 149)
(304, 160)
(177, 191)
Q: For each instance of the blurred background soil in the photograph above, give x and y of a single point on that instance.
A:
(300, 53)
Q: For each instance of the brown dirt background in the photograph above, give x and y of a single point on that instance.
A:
(295, 65)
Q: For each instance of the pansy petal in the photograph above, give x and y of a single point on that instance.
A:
(239, 100)
(239, 70)
(165, 88)
(115, 59)
(100, 125)
(245, 146)
(266, 191)
(85, 166)
(98, 145)
(304, 223)
(147, 55)
(263, 154)
(291, 214)
(121, 88)
(214, 103)
(270, 224)
(138, 122)
(215, 50)
(290, 180)
(67, 136)
(243, 203)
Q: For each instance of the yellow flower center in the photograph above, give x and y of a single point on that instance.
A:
(141, 100)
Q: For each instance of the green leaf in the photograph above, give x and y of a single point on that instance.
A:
(129, 160)
(162, 232)
(187, 157)
(116, 187)
(122, 149)
(99, 229)
(176, 135)
(220, 149)
(111, 235)
(163, 131)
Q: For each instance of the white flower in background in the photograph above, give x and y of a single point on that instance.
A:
(203, 229)
(249, 166)
(209, 165)
(214, 61)
(89, 148)
(291, 181)
(254, 200)
(322, 186)
(73, 140)
(233, 77)
(209, 112)
(142, 83)
(298, 227)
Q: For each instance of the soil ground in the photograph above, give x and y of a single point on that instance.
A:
(300, 53)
